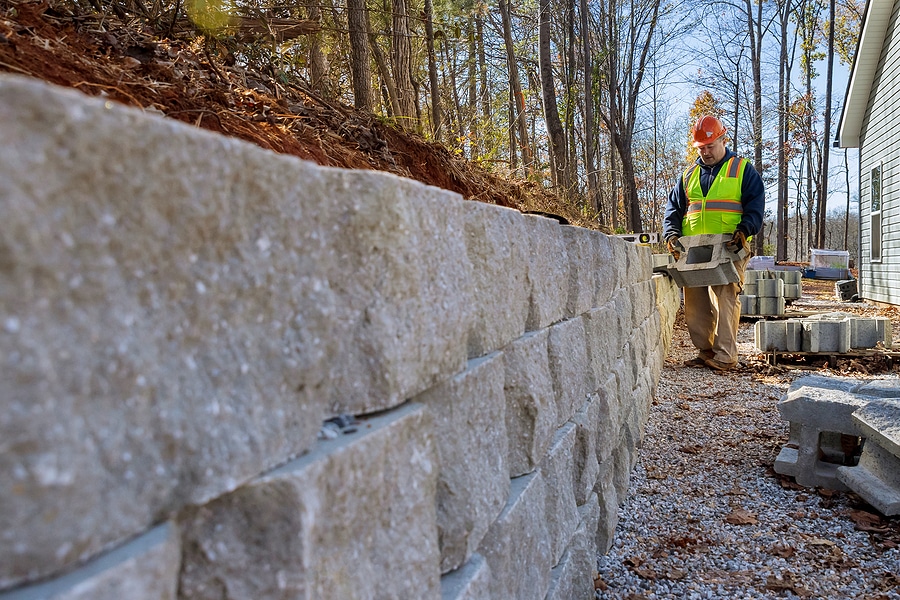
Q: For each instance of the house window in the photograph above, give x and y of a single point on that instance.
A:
(875, 192)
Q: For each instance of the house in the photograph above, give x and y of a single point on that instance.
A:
(870, 122)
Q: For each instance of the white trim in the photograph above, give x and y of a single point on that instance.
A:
(876, 17)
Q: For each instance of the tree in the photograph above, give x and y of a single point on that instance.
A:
(556, 134)
(360, 72)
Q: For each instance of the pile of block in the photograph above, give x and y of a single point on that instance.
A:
(844, 434)
(767, 292)
(835, 332)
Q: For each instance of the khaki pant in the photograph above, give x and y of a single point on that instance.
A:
(713, 314)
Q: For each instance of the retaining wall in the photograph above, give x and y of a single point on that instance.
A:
(180, 313)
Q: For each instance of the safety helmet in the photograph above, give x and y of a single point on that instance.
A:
(707, 130)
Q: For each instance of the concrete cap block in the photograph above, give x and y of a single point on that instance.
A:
(879, 388)
(880, 421)
(824, 403)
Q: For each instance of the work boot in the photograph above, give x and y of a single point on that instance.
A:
(719, 365)
(697, 361)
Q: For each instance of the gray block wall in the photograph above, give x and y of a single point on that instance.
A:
(180, 313)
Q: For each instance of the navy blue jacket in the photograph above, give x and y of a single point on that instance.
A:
(753, 199)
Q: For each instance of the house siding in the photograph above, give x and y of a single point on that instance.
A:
(880, 143)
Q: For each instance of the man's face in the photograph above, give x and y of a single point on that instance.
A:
(712, 152)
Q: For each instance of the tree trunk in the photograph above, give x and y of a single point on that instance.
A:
(555, 133)
(590, 146)
(755, 34)
(400, 57)
(317, 66)
(515, 85)
(436, 116)
(360, 72)
(826, 143)
(383, 70)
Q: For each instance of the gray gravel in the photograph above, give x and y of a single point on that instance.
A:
(707, 517)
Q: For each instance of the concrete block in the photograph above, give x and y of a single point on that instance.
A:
(573, 577)
(547, 284)
(603, 329)
(469, 582)
(846, 289)
(751, 288)
(770, 306)
(145, 568)
(748, 304)
(704, 262)
(607, 267)
(584, 451)
(557, 472)
(778, 336)
(826, 335)
(608, 502)
(790, 277)
(530, 401)
(316, 528)
(570, 367)
(751, 275)
(516, 547)
(819, 410)
(792, 291)
(497, 248)
(469, 413)
(770, 288)
(581, 264)
(661, 262)
(867, 332)
(877, 476)
(879, 388)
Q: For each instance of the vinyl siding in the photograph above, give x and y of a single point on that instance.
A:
(880, 143)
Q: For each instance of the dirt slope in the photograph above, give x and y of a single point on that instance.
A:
(179, 78)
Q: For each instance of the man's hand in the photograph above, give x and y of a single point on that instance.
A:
(674, 246)
(738, 241)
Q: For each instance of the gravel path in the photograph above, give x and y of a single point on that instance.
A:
(707, 517)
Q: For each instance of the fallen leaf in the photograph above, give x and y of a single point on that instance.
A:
(599, 584)
(675, 574)
(783, 550)
(820, 542)
(692, 449)
(740, 516)
(645, 572)
(683, 406)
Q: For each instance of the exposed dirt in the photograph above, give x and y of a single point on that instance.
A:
(180, 78)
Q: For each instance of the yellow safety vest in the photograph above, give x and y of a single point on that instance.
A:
(720, 210)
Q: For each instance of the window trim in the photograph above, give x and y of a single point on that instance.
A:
(875, 214)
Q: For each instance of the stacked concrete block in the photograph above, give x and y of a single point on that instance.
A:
(870, 332)
(819, 410)
(705, 261)
(793, 287)
(877, 476)
(766, 292)
(826, 335)
(770, 296)
(778, 336)
(844, 435)
(498, 366)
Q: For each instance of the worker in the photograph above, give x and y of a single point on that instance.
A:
(721, 194)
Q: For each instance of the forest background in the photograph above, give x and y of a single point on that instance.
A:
(591, 100)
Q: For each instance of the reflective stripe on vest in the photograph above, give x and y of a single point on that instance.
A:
(720, 211)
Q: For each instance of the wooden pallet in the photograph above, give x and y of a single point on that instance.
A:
(833, 357)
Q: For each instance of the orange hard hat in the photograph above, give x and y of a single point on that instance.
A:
(707, 130)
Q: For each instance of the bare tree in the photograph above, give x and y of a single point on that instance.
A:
(361, 74)
(555, 132)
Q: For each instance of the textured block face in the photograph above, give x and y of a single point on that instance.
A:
(748, 304)
(516, 547)
(823, 403)
(792, 291)
(584, 452)
(607, 272)
(770, 306)
(557, 470)
(470, 434)
(573, 577)
(530, 401)
(145, 339)
(145, 568)
(496, 244)
(314, 529)
(582, 263)
(402, 253)
(570, 367)
(547, 284)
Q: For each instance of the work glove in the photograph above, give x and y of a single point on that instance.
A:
(674, 246)
(738, 241)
